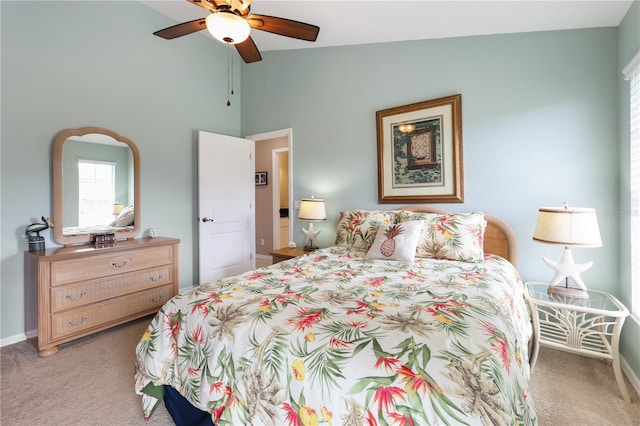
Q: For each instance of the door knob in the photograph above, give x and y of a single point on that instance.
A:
(204, 219)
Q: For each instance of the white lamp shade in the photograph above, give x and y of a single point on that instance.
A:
(312, 209)
(117, 208)
(227, 27)
(568, 226)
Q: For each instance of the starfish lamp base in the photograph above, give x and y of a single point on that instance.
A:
(568, 292)
(566, 269)
(310, 243)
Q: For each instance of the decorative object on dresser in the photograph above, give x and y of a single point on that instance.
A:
(36, 242)
(568, 226)
(102, 239)
(75, 291)
(420, 152)
(311, 210)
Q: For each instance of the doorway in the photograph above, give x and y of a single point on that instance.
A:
(280, 193)
(273, 201)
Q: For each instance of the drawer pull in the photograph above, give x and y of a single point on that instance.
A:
(155, 280)
(156, 299)
(76, 324)
(121, 265)
(82, 294)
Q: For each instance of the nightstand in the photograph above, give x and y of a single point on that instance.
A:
(588, 327)
(286, 253)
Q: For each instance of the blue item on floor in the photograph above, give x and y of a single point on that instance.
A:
(182, 412)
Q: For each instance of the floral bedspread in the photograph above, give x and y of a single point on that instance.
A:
(331, 338)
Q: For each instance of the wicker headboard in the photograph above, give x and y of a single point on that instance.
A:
(498, 236)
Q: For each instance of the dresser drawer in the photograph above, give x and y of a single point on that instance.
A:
(75, 295)
(77, 320)
(74, 270)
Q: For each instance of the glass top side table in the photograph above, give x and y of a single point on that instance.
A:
(588, 327)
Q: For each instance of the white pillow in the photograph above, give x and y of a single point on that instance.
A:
(396, 241)
(125, 218)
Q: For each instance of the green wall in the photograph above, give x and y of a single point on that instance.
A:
(541, 122)
(539, 118)
(92, 63)
(628, 46)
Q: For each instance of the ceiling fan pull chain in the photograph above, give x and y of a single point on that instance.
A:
(228, 66)
(231, 55)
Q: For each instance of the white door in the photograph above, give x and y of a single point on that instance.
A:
(226, 194)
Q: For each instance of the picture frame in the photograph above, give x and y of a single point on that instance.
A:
(261, 178)
(420, 152)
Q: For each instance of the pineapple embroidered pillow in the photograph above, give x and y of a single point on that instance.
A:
(396, 241)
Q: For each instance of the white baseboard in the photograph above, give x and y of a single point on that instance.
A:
(263, 260)
(633, 379)
(18, 338)
(13, 339)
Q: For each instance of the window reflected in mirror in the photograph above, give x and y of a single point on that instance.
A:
(95, 185)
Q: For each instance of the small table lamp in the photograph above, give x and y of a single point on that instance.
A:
(312, 210)
(116, 208)
(568, 226)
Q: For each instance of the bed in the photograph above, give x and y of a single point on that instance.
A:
(431, 329)
(122, 223)
(96, 229)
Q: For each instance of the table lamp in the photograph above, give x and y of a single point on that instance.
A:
(116, 208)
(312, 210)
(568, 226)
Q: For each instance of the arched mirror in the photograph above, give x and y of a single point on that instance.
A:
(96, 185)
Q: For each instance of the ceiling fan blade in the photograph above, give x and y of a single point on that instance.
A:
(214, 6)
(284, 27)
(182, 29)
(248, 51)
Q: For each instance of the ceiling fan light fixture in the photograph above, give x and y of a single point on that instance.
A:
(227, 27)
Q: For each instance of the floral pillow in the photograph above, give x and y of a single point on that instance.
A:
(358, 228)
(396, 241)
(456, 236)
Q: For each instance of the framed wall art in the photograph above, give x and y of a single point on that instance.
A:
(420, 152)
(261, 178)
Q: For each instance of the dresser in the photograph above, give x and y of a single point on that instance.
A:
(75, 291)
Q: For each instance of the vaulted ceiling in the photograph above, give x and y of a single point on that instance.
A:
(364, 21)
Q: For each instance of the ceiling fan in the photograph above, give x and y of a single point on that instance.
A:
(230, 22)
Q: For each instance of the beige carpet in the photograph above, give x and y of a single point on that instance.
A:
(90, 382)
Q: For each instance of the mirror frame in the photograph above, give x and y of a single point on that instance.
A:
(58, 202)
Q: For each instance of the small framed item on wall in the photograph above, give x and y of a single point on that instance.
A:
(420, 152)
(261, 178)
